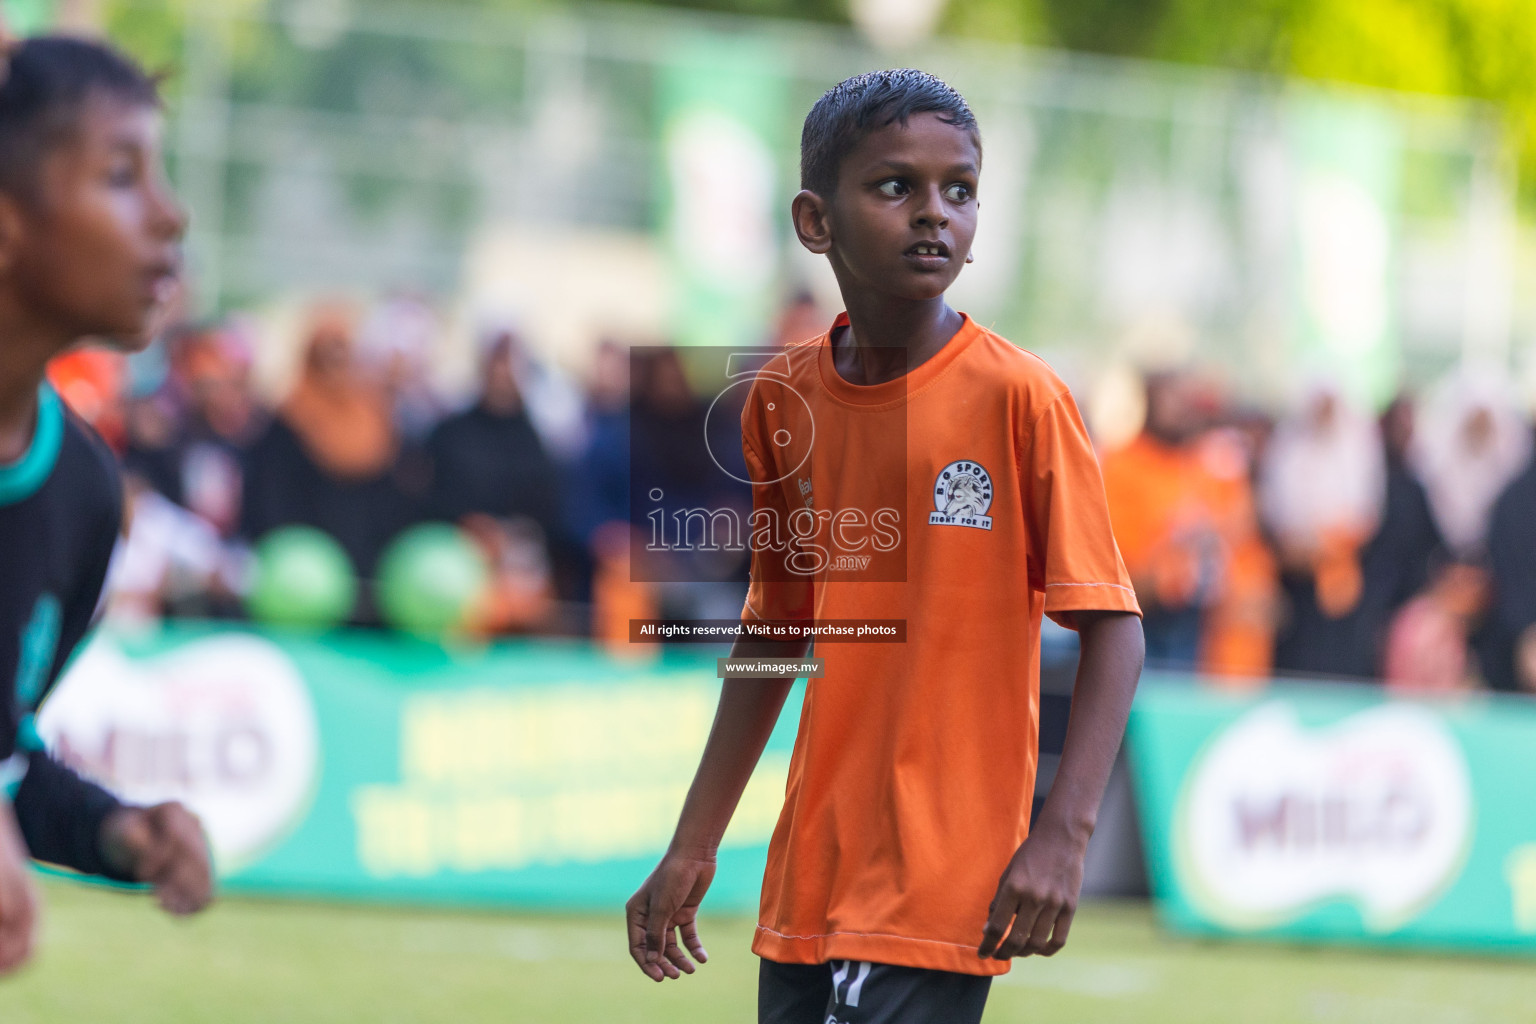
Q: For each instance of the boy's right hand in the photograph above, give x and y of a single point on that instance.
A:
(667, 903)
(18, 895)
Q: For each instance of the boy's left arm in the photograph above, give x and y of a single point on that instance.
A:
(1037, 895)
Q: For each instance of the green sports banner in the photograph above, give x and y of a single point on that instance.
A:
(721, 100)
(27, 17)
(1345, 157)
(376, 767)
(1336, 812)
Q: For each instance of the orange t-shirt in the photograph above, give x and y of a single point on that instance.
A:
(972, 488)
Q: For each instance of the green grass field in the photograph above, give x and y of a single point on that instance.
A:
(108, 958)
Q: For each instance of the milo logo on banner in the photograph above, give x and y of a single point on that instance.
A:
(224, 724)
(1275, 819)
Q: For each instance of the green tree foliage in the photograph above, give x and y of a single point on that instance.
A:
(1478, 48)
(805, 10)
(1105, 26)
(1484, 49)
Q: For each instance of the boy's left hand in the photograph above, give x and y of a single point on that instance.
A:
(1037, 895)
(164, 846)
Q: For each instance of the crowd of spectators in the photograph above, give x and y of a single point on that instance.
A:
(1329, 542)
(1323, 541)
(362, 446)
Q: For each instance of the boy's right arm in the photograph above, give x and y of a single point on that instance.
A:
(668, 901)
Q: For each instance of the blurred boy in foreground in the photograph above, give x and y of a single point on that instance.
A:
(89, 246)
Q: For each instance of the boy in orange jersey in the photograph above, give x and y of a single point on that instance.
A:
(904, 873)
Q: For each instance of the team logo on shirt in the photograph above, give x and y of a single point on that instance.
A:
(961, 496)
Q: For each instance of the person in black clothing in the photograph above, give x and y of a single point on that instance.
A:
(1398, 559)
(332, 458)
(489, 458)
(601, 483)
(1506, 645)
(89, 239)
(493, 473)
(1393, 566)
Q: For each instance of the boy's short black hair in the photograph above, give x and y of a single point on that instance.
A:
(44, 83)
(865, 103)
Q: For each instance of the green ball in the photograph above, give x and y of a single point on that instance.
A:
(429, 579)
(303, 580)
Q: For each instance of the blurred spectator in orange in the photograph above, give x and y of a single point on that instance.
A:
(330, 457)
(90, 380)
(1239, 630)
(1164, 507)
(617, 596)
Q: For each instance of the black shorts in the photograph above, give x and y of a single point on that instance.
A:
(858, 992)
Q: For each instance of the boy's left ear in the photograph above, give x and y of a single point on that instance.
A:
(809, 212)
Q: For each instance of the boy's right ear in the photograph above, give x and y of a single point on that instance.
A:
(809, 212)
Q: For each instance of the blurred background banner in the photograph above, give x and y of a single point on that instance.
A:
(366, 766)
(721, 101)
(522, 163)
(28, 16)
(1319, 812)
(1347, 156)
(380, 768)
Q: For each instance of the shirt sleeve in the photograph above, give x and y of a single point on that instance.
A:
(778, 591)
(1074, 558)
(61, 814)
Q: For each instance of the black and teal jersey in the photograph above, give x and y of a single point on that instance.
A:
(61, 508)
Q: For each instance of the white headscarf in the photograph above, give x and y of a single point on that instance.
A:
(1324, 471)
(1470, 441)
